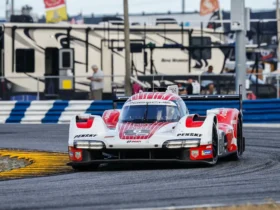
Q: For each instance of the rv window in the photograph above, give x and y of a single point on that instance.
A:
(66, 60)
(202, 54)
(25, 61)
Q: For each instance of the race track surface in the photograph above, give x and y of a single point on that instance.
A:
(253, 179)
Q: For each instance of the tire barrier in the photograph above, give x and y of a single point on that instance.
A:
(41, 112)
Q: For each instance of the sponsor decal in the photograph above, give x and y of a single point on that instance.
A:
(195, 153)
(149, 102)
(78, 155)
(126, 130)
(130, 141)
(190, 134)
(85, 136)
(137, 132)
(168, 60)
(206, 152)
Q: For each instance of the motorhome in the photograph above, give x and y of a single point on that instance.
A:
(33, 54)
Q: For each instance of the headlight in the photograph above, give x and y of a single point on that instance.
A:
(175, 144)
(89, 144)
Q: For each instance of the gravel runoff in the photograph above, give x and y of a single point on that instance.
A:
(8, 164)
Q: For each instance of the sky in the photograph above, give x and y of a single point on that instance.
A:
(88, 7)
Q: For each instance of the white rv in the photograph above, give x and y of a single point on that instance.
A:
(37, 50)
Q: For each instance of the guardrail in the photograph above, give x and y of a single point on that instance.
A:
(41, 112)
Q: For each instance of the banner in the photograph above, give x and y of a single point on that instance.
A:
(208, 6)
(55, 11)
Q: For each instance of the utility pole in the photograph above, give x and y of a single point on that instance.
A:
(278, 33)
(12, 7)
(128, 88)
(7, 10)
(183, 6)
(238, 25)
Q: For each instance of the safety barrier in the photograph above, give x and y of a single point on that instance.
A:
(37, 112)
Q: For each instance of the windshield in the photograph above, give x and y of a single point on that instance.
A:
(150, 114)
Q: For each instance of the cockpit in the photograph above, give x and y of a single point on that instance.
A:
(150, 112)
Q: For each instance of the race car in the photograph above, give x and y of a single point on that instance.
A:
(157, 127)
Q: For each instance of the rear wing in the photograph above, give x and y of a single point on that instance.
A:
(237, 97)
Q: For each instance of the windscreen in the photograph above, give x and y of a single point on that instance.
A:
(150, 113)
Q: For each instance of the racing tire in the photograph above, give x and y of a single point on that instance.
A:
(240, 143)
(215, 145)
(86, 168)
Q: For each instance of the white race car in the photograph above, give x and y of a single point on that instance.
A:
(156, 127)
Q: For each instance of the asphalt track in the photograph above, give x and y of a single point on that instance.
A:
(253, 179)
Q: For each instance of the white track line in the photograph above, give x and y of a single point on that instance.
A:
(264, 125)
(204, 206)
(183, 207)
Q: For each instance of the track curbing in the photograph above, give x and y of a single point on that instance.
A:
(41, 164)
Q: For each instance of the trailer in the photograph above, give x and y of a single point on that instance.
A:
(45, 54)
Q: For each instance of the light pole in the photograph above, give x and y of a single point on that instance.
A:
(12, 7)
(128, 89)
(278, 33)
(238, 25)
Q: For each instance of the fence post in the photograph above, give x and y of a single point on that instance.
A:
(38, 90)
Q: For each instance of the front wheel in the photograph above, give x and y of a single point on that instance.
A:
(214, 145)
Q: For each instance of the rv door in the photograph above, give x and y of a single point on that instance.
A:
(2, 62)
(66, 69)
(1, 51)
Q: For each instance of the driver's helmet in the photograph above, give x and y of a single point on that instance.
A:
(170, 113)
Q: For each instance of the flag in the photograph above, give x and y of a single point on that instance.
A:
(55, 11)
(215, 16)
(73, 21)
(208, 6)
(77, 19)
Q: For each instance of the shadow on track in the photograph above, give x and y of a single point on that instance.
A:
(147, 166)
